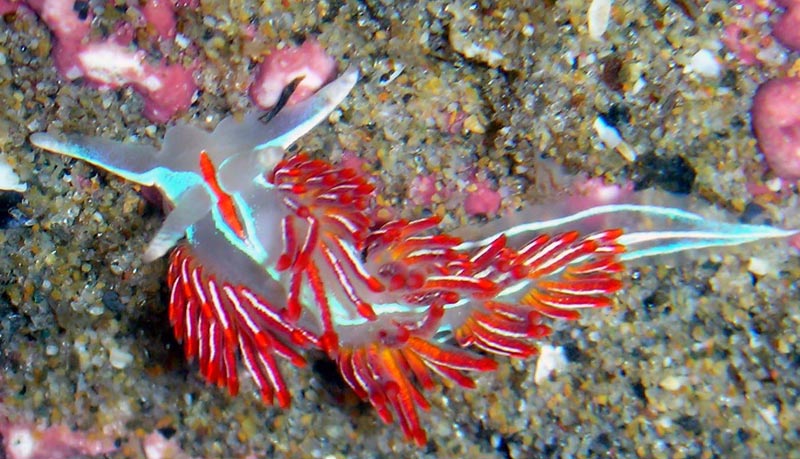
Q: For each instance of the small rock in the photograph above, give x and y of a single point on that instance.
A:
(598, 14)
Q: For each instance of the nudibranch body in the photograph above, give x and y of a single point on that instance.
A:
(272, 256)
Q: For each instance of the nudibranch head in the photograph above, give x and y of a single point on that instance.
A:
(198, 171)
(275, 255)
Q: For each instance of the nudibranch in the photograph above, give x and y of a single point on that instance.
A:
(273, 256)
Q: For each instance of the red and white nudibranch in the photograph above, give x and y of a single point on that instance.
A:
(273, 256)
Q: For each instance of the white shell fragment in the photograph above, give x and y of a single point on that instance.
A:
(608, 134)
(551, 358)
(758, 266)
(612, 139)
(704, 63)
(119, 358)
(598, 14)
(9, 180)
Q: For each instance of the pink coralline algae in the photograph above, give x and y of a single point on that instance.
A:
(155, 446)
(776, 124)
(478, 196)
(111, 63)
(775, 111)
(283, 66)
(594, 191)
(26, 441)
(746, 35)
(482, 200)
(161, 15)
(167, 89)
(7, 6)
(423, 188)
(787, 29)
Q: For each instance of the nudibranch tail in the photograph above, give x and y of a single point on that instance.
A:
(650, 230)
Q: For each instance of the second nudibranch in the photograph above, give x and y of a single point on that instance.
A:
(272, 255)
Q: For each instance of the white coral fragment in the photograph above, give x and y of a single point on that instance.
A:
(9, 180)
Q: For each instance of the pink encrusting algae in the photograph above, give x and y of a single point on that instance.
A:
(272, 256)
(167, 88)
(111, 62)
(23, 440)
(308, 62)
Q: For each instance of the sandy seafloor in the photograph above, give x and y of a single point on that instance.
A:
(698, 359)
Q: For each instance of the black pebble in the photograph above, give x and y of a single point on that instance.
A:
(673, 174)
